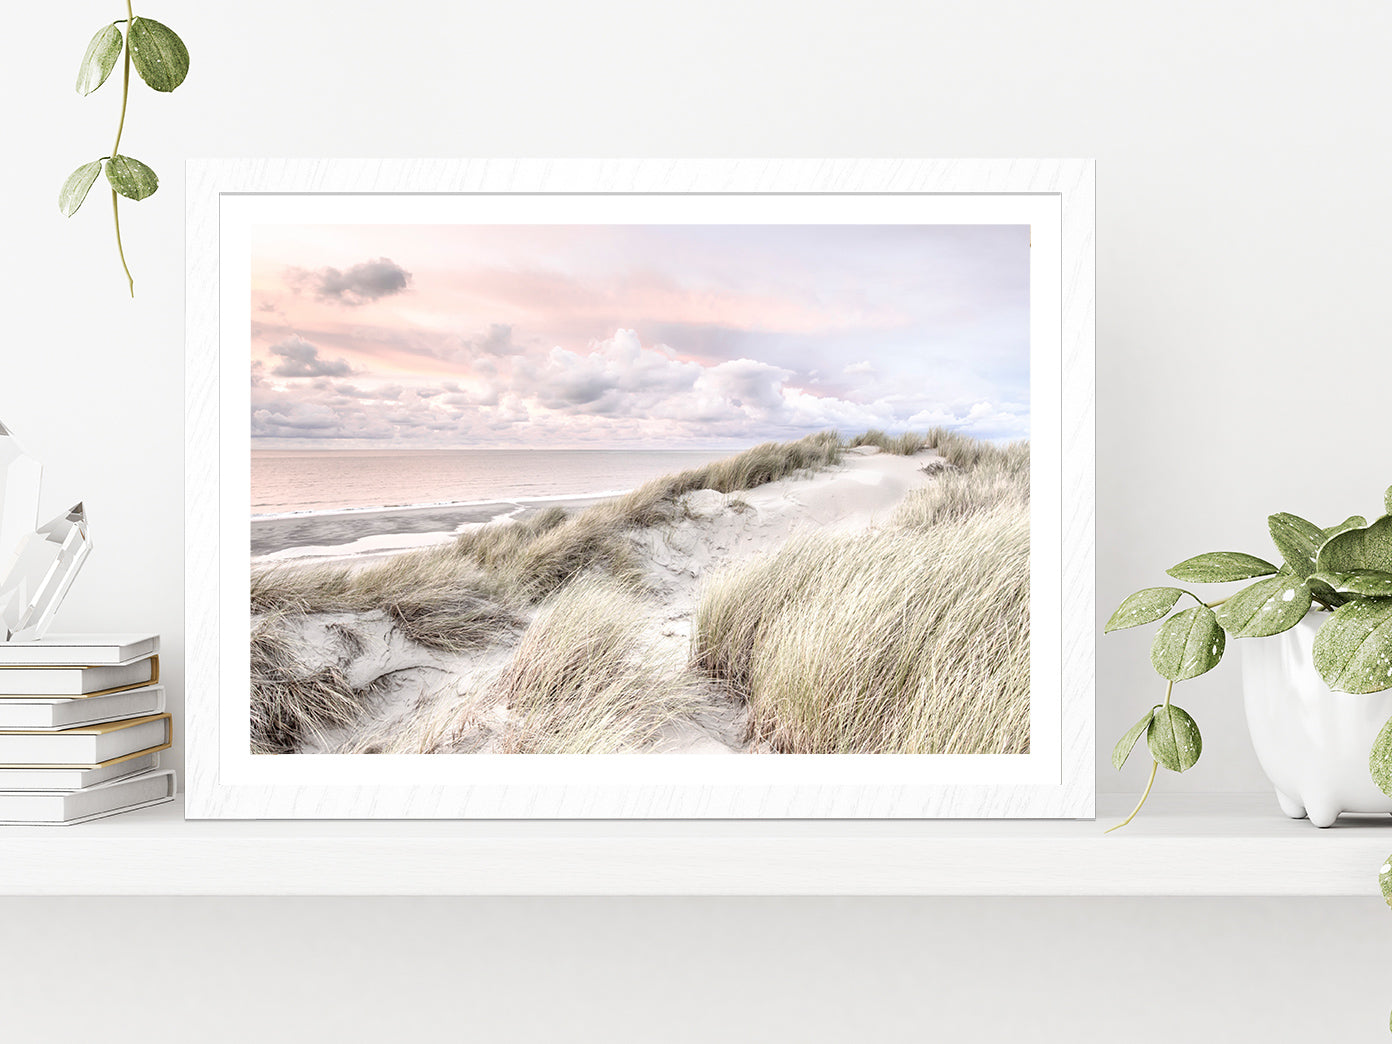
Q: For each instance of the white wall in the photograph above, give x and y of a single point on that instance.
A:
(1243, 363)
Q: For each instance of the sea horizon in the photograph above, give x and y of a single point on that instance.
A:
(294, 483)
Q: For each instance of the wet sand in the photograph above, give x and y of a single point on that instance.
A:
(269, 535)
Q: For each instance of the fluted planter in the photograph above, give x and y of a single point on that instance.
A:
(1312, 742)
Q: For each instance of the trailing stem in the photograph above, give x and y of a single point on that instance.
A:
(1154, 768)
(116, 148)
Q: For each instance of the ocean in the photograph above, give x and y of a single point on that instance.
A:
(300, 482)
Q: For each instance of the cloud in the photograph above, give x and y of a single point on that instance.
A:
(368, 281)
(383, 391)
(861, 367)
(301, 359)
(294, 418)
(496, 341)
(615, 390)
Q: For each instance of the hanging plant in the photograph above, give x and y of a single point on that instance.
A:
(162, 61)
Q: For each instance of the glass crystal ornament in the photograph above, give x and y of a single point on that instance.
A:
(20, 475)
(41, 573)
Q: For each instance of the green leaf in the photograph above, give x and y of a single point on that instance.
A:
(130, 177)
(100, 59)
(1353, 650)
(1218, 567)
(1143, 607)
(76, 187)
(1267, 607)
(1188, 644)
(160, 57)
(1173, 738)
(1368, 547)
(1380, 765)
(1122, 750)
(1320, 589)
(1298, 541)
(1352, 522)
(1367, 583)
(1385, 875)
(1387, 500)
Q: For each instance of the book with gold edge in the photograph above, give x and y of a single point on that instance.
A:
(89, 745)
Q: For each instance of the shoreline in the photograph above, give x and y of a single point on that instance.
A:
(333, 534)
(443, 505)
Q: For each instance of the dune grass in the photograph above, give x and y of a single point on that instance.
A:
(905, 444)
(475, 591)
(906, 640)
(432, 596)
(584, 680)
(992, 477)
(290, 704)
(914, 639)
(911, 641)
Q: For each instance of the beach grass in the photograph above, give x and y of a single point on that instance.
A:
(434, 598)
(990, 477)
(291, 704)
(584, 679)
(913, 639)
(905, 444)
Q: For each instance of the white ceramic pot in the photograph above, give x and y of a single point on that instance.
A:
(1312, 742)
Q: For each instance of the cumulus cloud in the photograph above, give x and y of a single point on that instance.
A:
(861, 367)
(364, 282)
(300, 358)
(616, 389)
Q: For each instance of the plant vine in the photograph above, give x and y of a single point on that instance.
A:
(162, 61)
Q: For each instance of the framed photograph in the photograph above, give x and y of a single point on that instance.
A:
(640, 489)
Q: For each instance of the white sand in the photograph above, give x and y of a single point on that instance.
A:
(717, 531)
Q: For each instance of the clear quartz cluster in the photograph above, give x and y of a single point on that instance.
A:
(37, 563)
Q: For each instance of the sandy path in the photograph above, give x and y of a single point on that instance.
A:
(721, 531)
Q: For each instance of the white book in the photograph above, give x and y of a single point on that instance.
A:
(49, 714)
(88, 746)
(79, 650)
(46, 778)
(77, 681)
(63, 808)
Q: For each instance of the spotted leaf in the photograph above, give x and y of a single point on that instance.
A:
(158, 54)
(1267, 607)
(1188, 644)
(100, 59)
(1143, 607)
(1173, 738)
(1122, 750)
(1353, 650)
(1218, 567)
(1298, 541)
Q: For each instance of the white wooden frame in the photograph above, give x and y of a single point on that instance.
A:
(219, 784)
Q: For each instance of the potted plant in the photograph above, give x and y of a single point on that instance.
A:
(1318, 693)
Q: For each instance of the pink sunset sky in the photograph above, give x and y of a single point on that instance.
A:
(634, 335)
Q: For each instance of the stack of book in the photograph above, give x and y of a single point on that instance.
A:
(82, 724)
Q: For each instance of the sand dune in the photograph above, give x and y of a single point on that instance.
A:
(423, 699)
(801, 597)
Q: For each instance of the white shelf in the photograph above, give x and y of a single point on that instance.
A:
(1228, 845)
